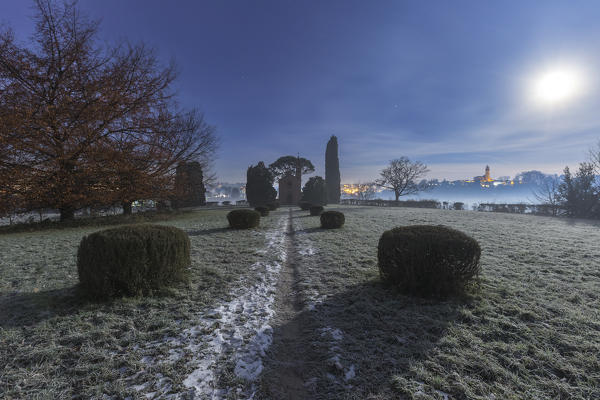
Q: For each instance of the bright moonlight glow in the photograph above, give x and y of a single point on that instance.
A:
(558, 85)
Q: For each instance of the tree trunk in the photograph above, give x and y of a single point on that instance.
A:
(67, 213)
(127, 206)
(66, 184)
(397, 194)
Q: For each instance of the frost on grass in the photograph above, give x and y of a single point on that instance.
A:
(541, 295)
(334, 333)
(331, 335)
(307, 251)
(334, 338)
(424, 390)
(234, 334)
(537, 290)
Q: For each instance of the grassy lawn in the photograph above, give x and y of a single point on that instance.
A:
(530, 331)
(54, 345)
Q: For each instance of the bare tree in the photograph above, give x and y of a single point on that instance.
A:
(401, 176)
(81, 124)
(594, 157)
(365, 191)
(548, 194)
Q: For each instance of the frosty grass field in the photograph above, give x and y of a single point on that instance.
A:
(290, 308)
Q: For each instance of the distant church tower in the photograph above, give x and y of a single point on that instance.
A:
(290, 190)
(487, 173)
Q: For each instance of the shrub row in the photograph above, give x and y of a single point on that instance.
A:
(424, 203)
(135, 260)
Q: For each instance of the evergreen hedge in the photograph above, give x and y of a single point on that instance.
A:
(332, 219)
(243, 219)
(428, 260)
(132, 260)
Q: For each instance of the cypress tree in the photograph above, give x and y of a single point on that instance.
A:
(259, 185)
(332, 171)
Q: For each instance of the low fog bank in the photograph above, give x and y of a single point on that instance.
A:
(472, 195)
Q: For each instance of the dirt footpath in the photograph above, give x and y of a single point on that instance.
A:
(288, 372)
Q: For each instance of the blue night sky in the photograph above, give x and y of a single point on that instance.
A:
(445, 82)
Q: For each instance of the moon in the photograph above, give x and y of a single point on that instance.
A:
(557, 85)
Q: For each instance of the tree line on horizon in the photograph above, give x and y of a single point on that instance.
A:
(575, 195)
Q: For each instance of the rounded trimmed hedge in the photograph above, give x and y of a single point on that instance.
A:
(263, 211)
(273, 205)
(315, 211)
(428, 260)
(305, 205)
(132, 260)
(243, 219)
(332, 219)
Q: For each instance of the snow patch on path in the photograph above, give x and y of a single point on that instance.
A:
(306, 250)
(241, 327)
(236, 333)
(335, 336)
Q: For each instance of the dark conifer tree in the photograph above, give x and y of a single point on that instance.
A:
(315, 191)
(189, 185)
(332, 171)
(578, 194)
(259, 185)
